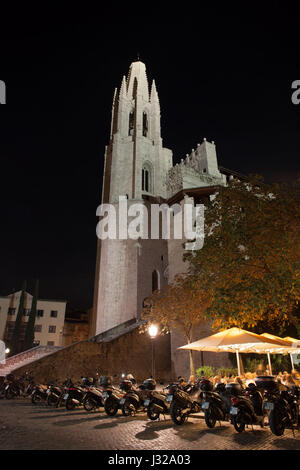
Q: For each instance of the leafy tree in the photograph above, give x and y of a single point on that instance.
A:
(29, 334)
(15, 339)
(251, 254)
(179, 305)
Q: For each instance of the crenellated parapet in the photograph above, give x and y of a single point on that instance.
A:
(197, 169)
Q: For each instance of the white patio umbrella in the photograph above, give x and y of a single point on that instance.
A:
(238, 341)
(294, 345)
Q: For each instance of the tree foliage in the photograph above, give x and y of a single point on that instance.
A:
(250, 258)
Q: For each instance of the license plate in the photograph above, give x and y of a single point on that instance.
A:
(169, 398)
(122, 401)
(105, 395)
(233, 410)
(146, 402)
(66, 396)
(269, 405)
(205, 405)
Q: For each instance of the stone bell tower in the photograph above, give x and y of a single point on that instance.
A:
(136, 166)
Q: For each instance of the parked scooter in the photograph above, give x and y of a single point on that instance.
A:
(39, 393)
(188, 401)
(217, 402)
(74, 396)
(54, 392)
(93, 398)
(133, 400)
(247, 408)
(282, 403)
(158, 401)
(15, 387)
(111, 395)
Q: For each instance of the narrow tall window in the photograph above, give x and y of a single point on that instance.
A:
(131, 123)
(146, 178)
(145, 124)
(155, 281)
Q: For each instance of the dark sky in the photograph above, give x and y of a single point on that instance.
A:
(226, 78)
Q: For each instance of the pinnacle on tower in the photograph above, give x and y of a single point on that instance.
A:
(154, 95)
(137, 81)
(123, 92)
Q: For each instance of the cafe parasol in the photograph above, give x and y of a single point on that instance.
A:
(238, 341)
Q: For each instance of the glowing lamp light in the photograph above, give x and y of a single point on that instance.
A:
(153, 330)
(7, 350)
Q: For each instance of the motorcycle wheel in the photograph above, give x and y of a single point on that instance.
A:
(210, 417)
(51, 400)
(35, 398)
(70, 405)
(176, 415)
(9, 394)
(238, 422)
(89, 404)
(151, 413)
(111, 407)
(276, 422)
(127, 409)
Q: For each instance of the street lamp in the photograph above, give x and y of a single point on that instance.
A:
(7, 351)
(152, 330)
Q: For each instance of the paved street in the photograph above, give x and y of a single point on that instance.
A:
(27, 426)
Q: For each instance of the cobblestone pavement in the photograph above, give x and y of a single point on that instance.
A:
(27, 426)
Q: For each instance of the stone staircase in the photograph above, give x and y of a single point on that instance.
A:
(26, 358)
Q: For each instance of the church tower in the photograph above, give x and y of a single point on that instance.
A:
(136, 166)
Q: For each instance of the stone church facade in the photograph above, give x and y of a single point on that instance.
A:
(139, 167)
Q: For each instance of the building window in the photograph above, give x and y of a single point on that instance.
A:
(11, 311)
(53, 313)
(40, 313)
(26, 312)
(145, 124)
(52, 329)
(146, 178)
(155, 281)
(38, 328)
(131, 123)
(50, 343)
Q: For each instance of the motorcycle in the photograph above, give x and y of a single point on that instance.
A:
(134, 397)
(216, 404)
(15, 387)
(111, 395)
(74, 395)
(247, 408)
(39, 393)
(54, 392)
(158, 402)
(187, 400)
(93, 399)
(282, 404)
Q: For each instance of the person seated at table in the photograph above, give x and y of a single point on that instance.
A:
(217, 380)
(296, 376)
(289, 382)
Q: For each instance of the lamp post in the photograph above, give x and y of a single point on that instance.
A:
(153, 330)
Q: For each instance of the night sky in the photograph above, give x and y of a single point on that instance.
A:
(226, 78)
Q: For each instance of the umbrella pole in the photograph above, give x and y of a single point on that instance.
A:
(238, 362)
(292, 361)
(269, 361)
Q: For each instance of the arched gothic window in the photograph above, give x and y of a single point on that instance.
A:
(146, 178)
(155, 281)
(131, 123)
(145, 124)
